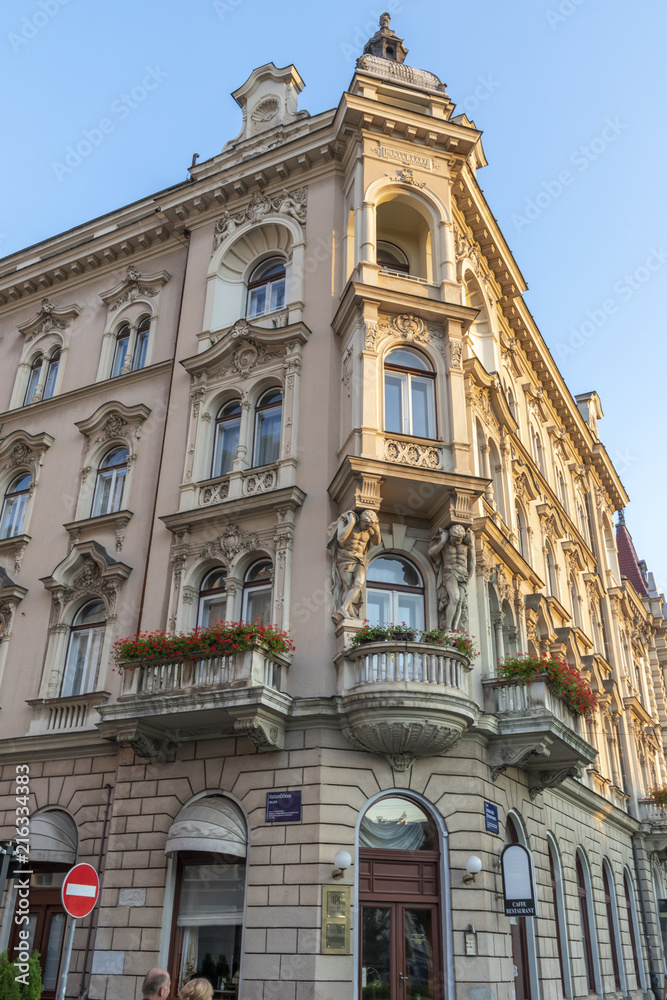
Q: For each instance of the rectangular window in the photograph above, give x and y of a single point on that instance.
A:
(83, 657)
(393, 403)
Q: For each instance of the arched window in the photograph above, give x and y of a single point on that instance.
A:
(227, 426)
(394, 592)
(208, 842)
(585, 916)
(521, 532)
(139, 356)
(33, 379)
(130, 350)
(51, 375)
(552, 584)
(212, 598)
(497, 479)
(538, 453)
(391, 258)
(120, 350)
(268, 420)
(612, 921)
(110, 483)
(631, 911)
(562, 491)
(84, 650)
(266, 287)
(14, 506)
(559, 917)
(523, 942)
(409, 394)
(574, 600)
(257, 592)
(400, 901)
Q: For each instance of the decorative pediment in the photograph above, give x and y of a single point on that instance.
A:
(525, 486)
(552, 525)
(293, 203)
(241, 348)
(409, 327)
(87, 570)
(20, 450)
(114, 421)
(539, 620)
(49, 316)
(536, 400)
(134, 285)
(11, 596)
(485, 393)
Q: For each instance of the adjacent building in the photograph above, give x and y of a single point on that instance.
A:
(303, 388)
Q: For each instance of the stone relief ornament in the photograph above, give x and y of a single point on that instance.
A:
(452, 552)
(456, 353)
(248, 354)
(412, 328)
(467, 248)
(409, 453)
(293, 203)
(134, 285)
(406, 176)
(265, 110)
(348, 541)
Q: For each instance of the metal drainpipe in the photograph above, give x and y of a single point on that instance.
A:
(655, 976)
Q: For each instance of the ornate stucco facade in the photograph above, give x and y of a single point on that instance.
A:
(422, 425)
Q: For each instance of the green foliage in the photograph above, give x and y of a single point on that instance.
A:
(405, 633)
(9, 988)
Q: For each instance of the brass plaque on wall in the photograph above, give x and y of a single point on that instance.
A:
(335, 920)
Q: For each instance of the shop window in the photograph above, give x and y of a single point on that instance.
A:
(266, 288)
(208, 840)
(212, 598)
(257, 592)
(612, 922)
(84, 650)
(394, 592)
(400, 902)
(14, 506)
(631, 912)
(110, 483)
(409, 394)
(585, 911)
(227, 428)
(268, 419)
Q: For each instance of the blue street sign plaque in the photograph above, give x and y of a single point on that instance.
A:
(491, 818)
(283, 807)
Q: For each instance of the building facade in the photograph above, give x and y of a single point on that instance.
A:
(303, 388)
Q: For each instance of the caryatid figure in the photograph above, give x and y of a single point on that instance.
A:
(452, 552)
(348, 540)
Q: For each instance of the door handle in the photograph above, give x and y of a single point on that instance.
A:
(402, 979)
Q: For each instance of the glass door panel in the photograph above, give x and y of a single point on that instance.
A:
(419, 964)
(376, 952)
(54, 946)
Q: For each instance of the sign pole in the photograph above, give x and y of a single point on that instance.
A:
(66, 960)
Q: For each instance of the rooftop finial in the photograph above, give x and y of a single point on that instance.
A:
(385, 43)
(621, 518)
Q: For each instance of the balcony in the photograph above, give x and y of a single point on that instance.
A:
(404, 700)
(654, 825)
(166, 701)
(536, 732)
(74, 714)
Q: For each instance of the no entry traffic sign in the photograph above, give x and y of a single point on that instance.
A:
(81, 889)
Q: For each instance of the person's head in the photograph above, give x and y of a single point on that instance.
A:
(156, 985)
(196, 989)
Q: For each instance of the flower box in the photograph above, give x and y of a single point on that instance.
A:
(562, 678)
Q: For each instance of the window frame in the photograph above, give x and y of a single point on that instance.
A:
(268, 282)
(219, 431)
(585, 897)
(394, 589)
(53, 362)
(22, 504)
(252, 586)
(101, 472)
(388, 264)
(207, 593)
(89, 678)
(609, 890)
(35, 368)
(260, 409)
(407, 376)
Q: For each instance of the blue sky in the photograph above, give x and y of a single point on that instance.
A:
(569, 94)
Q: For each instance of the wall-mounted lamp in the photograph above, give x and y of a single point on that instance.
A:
(342, 861)
(473, 867)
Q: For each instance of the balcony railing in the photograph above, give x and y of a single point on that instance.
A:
(66, 715)
(405, 662)
(404, 700)
(166, 700)
(650, 812)
(178, 676)
(536, 732)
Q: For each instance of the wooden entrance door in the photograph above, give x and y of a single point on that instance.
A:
(47, 932)
(400, 945)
